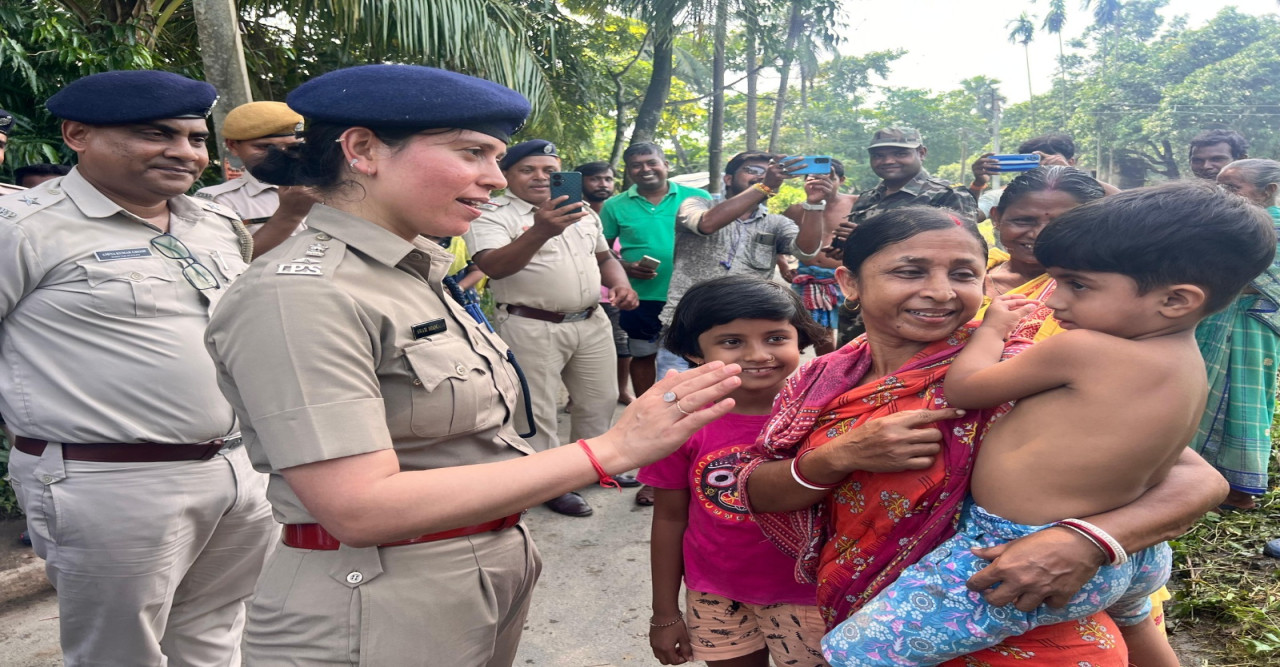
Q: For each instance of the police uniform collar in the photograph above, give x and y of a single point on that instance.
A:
(254, 186)
(519, 205)
(94, 204)
(915, 186)
(376, 242)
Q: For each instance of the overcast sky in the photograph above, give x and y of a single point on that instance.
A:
(949, 40)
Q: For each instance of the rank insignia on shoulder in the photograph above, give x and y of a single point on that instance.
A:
(204, 195)
(425, 329)
(291, 269)
(6, 213)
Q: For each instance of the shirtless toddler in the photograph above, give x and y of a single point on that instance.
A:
(1103, 412)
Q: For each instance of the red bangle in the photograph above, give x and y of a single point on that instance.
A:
(605, 480)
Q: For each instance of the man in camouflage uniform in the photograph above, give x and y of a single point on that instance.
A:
(6, 126)
(897, 157)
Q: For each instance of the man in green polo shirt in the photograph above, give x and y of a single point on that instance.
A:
(644, 219)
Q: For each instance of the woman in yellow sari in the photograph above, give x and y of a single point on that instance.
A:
(1034, 199)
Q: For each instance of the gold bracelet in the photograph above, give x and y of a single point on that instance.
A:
(679, 617)
(764, 189)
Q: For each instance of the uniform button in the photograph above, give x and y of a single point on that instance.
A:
(459, 369)
(416, 256)
(135, 276)
(55, 191)
(323, 237)
(417, 382)
(46, 479)
(355, 578)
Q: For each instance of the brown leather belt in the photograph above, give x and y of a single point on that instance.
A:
(313, 536)
(549, 315)
(127, 452)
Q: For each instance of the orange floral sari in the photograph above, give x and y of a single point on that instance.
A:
(876, 524)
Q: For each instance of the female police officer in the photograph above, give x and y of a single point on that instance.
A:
(379, 406)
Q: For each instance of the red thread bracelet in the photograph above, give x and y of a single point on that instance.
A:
(605, 480)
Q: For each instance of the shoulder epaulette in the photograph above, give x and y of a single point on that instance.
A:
(21, 204)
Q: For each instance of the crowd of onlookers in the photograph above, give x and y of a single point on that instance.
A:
(600, 301)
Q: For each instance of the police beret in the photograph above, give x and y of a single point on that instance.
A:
(410, 96)
(524, 149)
(261, 119)
(6, 122)
(132, 96)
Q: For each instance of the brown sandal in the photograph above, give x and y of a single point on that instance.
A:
(644, 497)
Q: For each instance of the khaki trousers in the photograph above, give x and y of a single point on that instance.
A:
(579, 354)
(459, 602)
(152, 561)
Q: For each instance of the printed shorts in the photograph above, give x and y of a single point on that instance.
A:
(928, 616)
(720, 629)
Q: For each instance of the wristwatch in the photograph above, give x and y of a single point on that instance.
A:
(820, 206)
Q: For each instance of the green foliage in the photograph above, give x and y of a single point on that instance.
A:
(8, 502)
(1226, 593)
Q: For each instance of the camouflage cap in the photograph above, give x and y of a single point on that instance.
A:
(899, 137)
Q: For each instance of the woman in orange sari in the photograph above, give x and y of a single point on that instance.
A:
(863, 466)
(1031, 201)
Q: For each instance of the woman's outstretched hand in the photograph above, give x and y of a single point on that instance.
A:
(661, 419)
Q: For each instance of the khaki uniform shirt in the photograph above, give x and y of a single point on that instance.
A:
(343, 341)
(251, 199)
(563, 276)
(100, 335)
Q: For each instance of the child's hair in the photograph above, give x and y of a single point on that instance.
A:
(1182, 232)
(1079, 185)
(723, 300)
(899, 224)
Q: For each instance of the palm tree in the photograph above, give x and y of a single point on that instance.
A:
(1054, 21)
(1022, 30)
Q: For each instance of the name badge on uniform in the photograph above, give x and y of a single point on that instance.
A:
(125, 253)
(299, 269)
(425, 329)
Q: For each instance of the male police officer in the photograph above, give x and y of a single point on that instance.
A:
(152, 523)
(270, 213)
(546, 266)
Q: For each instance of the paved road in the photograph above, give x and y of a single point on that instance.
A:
(591, 608)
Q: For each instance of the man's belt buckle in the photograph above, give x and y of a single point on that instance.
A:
(578, 316)
(231, 443)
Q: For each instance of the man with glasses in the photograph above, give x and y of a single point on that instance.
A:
(737, 234)
(126, 460)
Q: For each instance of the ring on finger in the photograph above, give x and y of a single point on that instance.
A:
(682, 410)
(670, 397)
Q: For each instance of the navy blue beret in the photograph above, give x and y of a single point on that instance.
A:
(524, 149)
(412, 97)
(132, 96)
(6, 122)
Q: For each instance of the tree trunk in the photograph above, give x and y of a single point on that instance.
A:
(1026, 51)
(655, 95)
(715, 145)
(619, 123)
(794, 26)
(753, 132)
(1062, 75)
(218, 26)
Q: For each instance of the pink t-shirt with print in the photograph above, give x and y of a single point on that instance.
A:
(724, 550)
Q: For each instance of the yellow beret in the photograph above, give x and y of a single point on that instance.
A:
(260, 119)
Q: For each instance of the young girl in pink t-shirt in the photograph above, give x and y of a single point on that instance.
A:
(743, 602)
